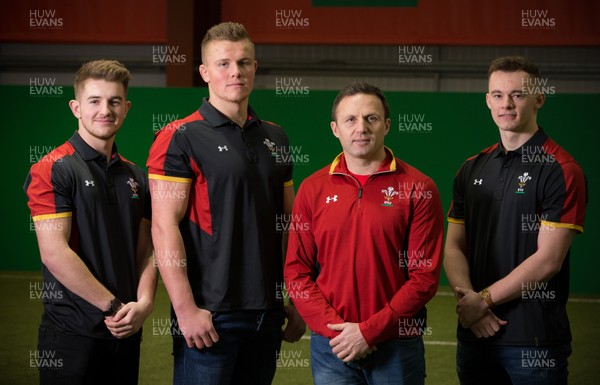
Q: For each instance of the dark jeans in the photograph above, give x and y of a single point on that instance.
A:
(482, 363)
(64, 358)
(249, 342)
(397, 362)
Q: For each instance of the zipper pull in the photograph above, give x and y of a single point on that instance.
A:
(360, 192)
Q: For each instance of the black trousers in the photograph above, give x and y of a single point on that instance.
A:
(64, 358)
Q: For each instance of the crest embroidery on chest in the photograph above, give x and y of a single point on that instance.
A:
(271, 146)
(388, 195)
(134, 188)
(523, 179)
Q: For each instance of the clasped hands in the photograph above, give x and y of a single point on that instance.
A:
(350, 344)
(473, 313)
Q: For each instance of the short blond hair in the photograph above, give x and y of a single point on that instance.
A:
(227, 31)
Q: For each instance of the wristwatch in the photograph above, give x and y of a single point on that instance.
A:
(115, 304)
(487, 297)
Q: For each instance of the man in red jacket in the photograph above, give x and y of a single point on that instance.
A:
(364, 254)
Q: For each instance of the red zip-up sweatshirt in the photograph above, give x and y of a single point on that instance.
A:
(366, 254)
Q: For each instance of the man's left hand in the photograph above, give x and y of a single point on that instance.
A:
(350, 345)
(470, 307)
(128, 320)
(296, 327)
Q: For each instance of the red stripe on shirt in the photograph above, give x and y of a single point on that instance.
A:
(575, 187)
(162, 139)
(40, 191)
(199, 209)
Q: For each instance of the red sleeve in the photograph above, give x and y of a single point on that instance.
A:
(168, 156)
(47, 187)
(170, 152)
(573, 214)
(425, 245)
(301, 270)
(565, 192)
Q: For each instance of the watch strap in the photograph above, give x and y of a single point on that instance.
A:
(487, 297)
(115, 304)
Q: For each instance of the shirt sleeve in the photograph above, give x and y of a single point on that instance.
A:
(288, 179)
(48, 191)
(169, 157)
(424, 250)
(565, 197)
(148, 202)
(456, 213)
(301, 271)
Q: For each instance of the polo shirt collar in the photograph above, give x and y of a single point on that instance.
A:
(388, 165)
(217, 119)
(537, 140)
(87, 152)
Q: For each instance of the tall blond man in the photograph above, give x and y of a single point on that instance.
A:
(217, 191)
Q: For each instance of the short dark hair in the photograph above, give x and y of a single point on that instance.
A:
(359, 87)
(227, 31)
(108, 70)
(513, 64)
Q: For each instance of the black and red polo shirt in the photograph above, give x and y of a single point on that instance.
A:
(106, 203)
(233, 248)
(502, 198)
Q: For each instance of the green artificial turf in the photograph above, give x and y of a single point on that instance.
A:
(21, 312)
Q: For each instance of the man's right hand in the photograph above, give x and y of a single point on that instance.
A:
(197, 328)
(487, 326)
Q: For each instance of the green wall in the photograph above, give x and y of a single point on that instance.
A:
(458, 125)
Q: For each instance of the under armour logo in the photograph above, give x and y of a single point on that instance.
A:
(89, 183)
(331, 199)
(223, 148)
(478, 181)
